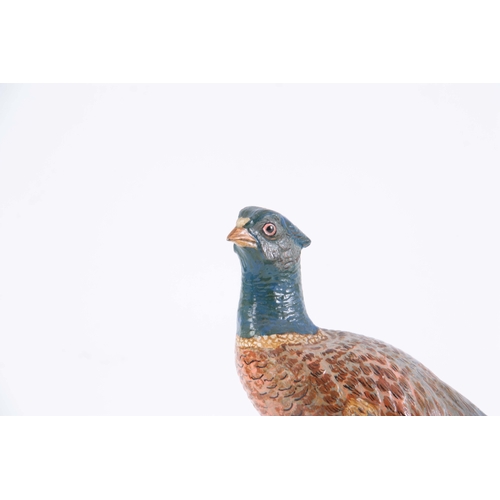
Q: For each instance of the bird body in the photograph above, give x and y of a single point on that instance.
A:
(341, 373)
(288, 366)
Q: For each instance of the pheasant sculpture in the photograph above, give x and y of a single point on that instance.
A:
(288, 366)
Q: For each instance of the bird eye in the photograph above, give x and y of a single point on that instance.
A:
(269, 229)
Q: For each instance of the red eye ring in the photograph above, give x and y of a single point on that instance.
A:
(269, 229)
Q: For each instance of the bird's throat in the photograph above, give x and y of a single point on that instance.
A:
(271, 302)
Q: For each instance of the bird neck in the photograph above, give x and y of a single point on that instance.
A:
(271, 302)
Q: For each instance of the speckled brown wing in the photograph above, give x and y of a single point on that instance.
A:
(341, 373)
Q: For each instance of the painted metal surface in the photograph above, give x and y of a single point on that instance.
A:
(288, 366)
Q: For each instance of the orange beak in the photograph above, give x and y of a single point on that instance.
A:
(242, 237)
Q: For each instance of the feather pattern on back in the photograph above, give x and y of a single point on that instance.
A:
(343, 374)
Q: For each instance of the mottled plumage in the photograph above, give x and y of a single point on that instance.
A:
(288, 366)
(344, 374)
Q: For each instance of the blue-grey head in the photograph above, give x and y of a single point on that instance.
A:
(264, 238)
(269, 247)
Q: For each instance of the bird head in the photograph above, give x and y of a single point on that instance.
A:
(263, 237)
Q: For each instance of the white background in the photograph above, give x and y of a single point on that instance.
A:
(118, 290)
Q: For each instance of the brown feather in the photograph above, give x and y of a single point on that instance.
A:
(341, 373)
